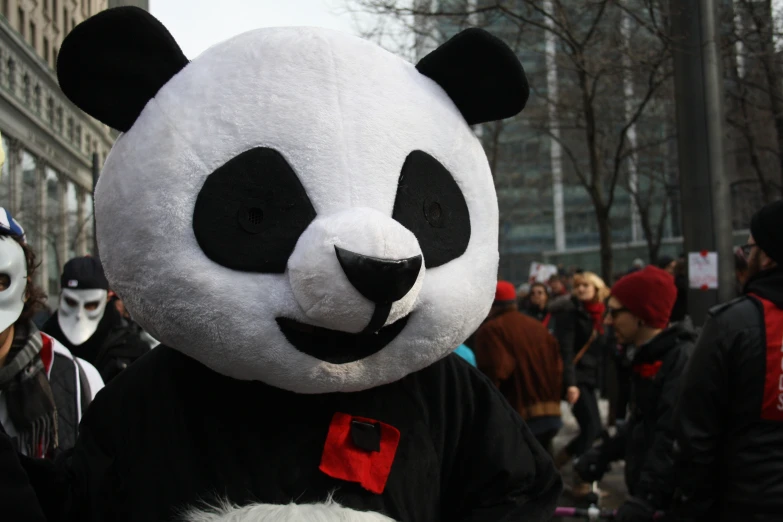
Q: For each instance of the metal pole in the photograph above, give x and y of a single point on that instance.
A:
(96, 171)
(698, 82)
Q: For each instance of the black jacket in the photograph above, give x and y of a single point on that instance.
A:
(168, 433)
(566, 350)
(18, 500)
(113, 346)
(573, 328)
(646, 439)
(729, 459)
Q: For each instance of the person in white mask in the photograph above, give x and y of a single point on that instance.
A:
(44, 389)
(88, 325)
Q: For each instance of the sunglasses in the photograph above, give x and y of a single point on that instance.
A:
(614, 312)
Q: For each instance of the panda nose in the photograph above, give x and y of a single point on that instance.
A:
(382, 281)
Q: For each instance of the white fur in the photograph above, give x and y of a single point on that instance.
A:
(345, 114)
(327, 512)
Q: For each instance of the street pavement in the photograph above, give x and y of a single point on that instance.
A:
(612, 486)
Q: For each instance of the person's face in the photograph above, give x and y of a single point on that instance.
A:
(584, 290)
(556, 285)
(757, 259)
(671, 267)
(538, 296)
(625, 324)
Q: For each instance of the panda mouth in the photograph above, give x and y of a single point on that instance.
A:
(334, 346)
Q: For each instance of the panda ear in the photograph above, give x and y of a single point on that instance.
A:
(481, 75)
(115, 62)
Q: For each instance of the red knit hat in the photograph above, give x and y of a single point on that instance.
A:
(505, 292)
(649, 294)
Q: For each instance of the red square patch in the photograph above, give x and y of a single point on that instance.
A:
(343, 459)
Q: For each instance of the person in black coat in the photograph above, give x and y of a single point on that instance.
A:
(639, 310)
(539, 309)
(728, 422)
(89, 324)
(580, 331)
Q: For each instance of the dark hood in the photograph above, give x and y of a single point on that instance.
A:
(768, 285)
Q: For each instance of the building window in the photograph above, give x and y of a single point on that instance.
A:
(5, 178)
(20, 14)
(65, 20)
(26, 88)
(89, 225)
(50, 110)
(54, 56)
(28, 212)
(46, 49)
(11, 75)
(37, 98)
(54, 228)
(33, 40)
(79, 136)
(54, 11)
(5, 9)
(70, 129)
(58, 123)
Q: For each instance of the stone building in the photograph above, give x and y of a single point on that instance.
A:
(46, 181)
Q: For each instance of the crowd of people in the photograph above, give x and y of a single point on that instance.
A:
(50, 370)
(699, 419)
(696, 416)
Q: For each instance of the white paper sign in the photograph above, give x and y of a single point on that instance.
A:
(703, 270)
(540, 273)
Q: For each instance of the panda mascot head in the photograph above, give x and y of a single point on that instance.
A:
(302, 208)
(296, 206)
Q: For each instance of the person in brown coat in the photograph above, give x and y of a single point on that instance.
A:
(522, 359)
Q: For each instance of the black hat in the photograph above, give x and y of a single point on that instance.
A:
(664, 261)
(766, 226)
(84, 273)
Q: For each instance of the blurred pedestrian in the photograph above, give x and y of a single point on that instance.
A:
(728, 421)
(581, 326)
(522, 359)
(639, 310)
(539, 310)
(88, 325)
(44, 389)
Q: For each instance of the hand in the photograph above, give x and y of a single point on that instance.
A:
(572, 395)
(635, 510)
(591, 465)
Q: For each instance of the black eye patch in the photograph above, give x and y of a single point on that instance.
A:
(251, 211)
(430, 204)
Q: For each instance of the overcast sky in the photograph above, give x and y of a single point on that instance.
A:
(199, 24)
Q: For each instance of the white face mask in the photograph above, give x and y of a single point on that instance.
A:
(76, 321)
(14, 265)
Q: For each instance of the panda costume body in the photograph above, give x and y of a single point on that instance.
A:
(309, 226)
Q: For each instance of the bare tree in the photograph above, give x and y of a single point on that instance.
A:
(754, 96)
(594, 113)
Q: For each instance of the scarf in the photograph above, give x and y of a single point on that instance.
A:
(29, 397)
(597, 312)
